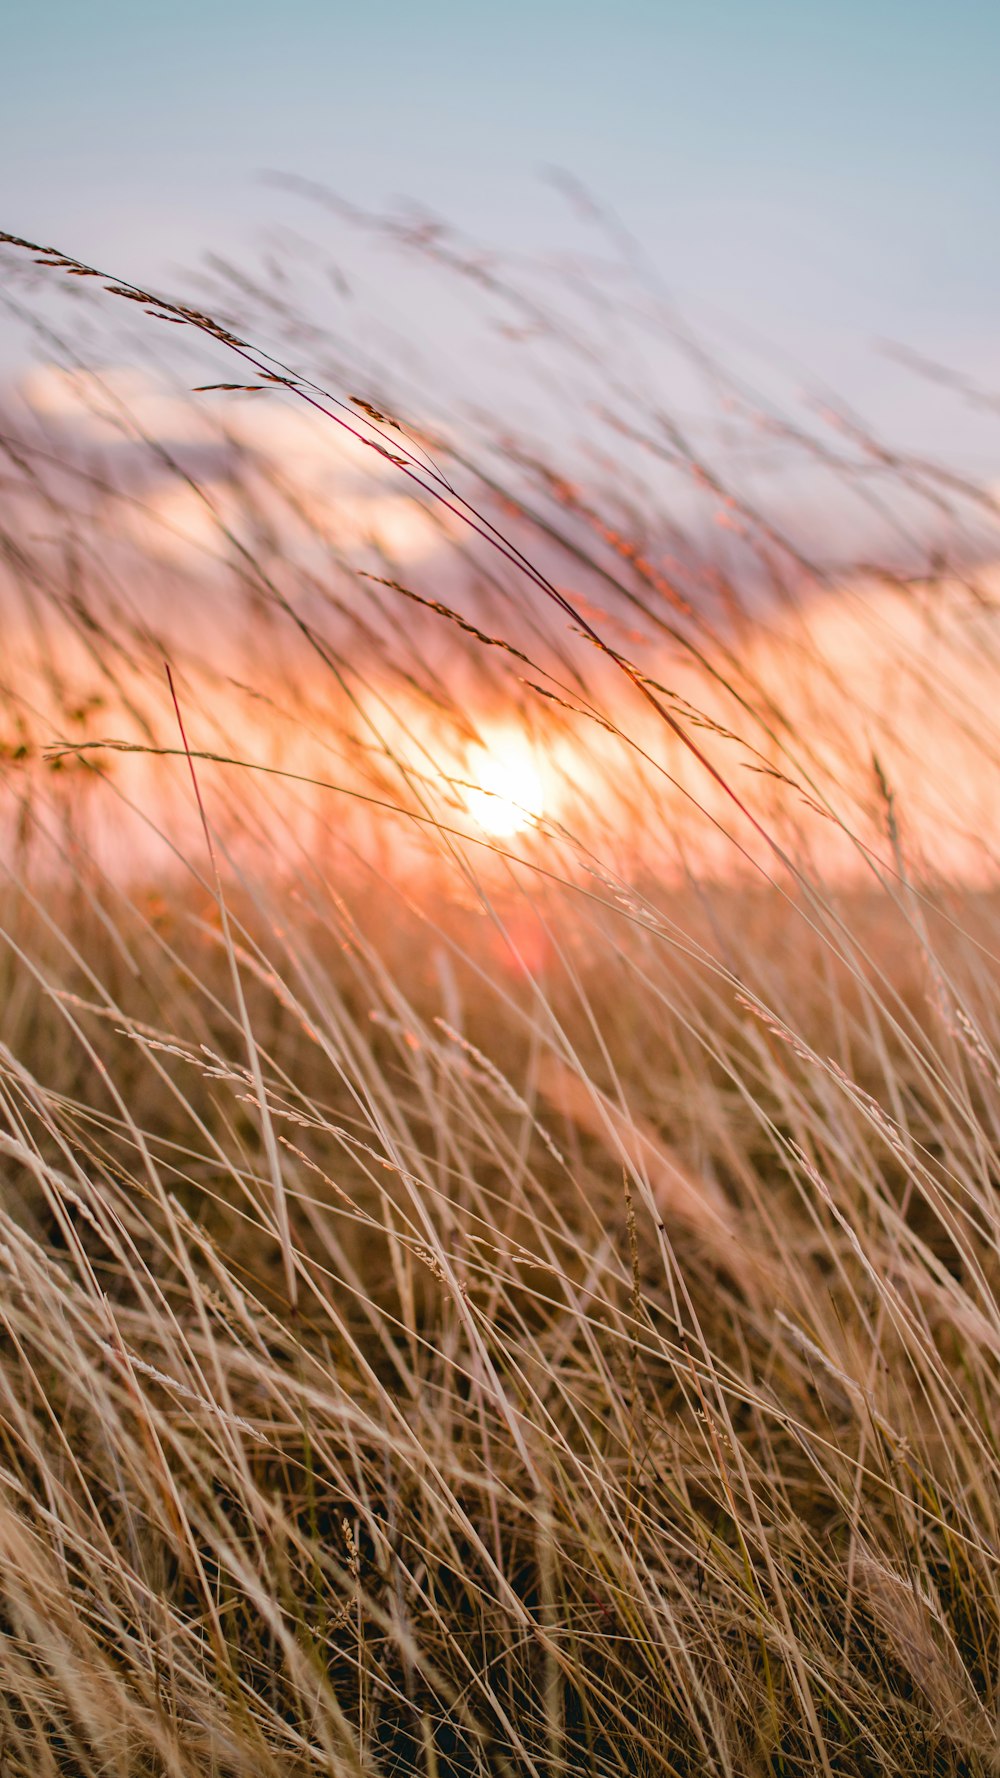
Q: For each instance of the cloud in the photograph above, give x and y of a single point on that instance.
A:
(298, 472)
(175, 525)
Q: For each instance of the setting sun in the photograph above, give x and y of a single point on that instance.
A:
(504, 792)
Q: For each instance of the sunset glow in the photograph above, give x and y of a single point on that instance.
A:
(499, 891)
(504, 794)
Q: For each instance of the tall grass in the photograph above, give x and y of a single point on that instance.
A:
(478, 1301)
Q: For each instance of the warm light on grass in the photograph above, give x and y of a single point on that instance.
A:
(479, 1301)
(504, 793)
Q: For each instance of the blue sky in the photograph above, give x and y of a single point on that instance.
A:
(825, 173)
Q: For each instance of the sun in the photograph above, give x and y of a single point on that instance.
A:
(504, 790)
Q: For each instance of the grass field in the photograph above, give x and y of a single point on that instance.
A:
(499, 1098)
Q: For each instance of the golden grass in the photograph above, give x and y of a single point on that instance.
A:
(517, 1304)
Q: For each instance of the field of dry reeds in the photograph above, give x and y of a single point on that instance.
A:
(499, 1064)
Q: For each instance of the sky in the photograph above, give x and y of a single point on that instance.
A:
(824, 174)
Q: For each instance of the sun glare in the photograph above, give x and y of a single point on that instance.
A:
(504, 790)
